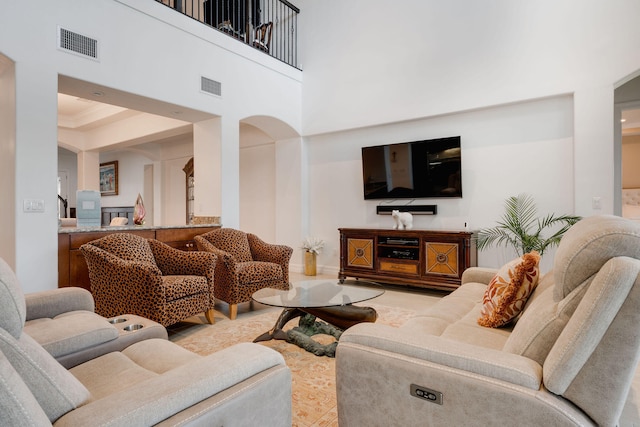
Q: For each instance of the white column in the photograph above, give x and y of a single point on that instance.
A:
(230, 172)
(88, 170)
(36, 176)
(594, 150)
(8, 161)
(207, 165)
(292, 215)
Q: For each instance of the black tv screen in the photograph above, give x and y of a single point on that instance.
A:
(419, 169)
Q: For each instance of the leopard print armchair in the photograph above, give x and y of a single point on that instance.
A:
(246, 264)
(133, 275)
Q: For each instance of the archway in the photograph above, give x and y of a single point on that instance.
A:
(259, 136)
(626, 139)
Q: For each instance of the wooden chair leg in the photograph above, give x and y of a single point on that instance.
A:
(210, 317)
(233, 311)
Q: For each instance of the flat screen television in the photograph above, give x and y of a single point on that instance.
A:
(410, 170)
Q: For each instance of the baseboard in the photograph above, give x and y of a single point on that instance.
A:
(322, 270)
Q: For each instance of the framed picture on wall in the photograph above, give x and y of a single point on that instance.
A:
(109, 178)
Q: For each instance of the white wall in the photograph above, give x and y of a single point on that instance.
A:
(508, 150)
(375, 73)
(130, 177)
(153, 52)
(68, 163)
(528, 85)
(257, 183)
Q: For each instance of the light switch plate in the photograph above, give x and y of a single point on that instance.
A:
(33, 205)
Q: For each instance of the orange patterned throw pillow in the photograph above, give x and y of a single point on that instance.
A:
(509, 290)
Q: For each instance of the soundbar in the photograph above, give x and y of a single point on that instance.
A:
(412, 209)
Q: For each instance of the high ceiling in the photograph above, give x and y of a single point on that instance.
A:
(84, 107)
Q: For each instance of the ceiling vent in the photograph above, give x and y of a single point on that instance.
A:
(210, 86)
(77, 43)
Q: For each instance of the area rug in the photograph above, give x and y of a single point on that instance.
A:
(313, 377)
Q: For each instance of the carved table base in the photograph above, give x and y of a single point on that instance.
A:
(339, 318)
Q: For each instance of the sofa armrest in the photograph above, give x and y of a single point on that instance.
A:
(49, 304)
(478, 275)
(487, 362)
(158, 398)
(263, 251)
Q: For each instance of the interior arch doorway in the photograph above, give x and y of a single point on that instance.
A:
(626, 140)
(259, 136)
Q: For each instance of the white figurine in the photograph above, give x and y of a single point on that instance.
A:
(403, 220)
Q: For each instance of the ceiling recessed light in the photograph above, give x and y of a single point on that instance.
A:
(177, 113)
(97, 93)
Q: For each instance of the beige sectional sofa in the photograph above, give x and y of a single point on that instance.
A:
(150, 382)
(568, 360)
(64, 322)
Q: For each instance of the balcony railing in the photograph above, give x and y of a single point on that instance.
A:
(268, 25)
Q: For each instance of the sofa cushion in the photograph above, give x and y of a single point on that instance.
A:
(14, 309)
(258, 271)
(71, 332)
(110, 373)
(18, 406)
(508, 291)
(55, 389)
(588, 245)
(454, 317)
(542, 322)
(178, 287)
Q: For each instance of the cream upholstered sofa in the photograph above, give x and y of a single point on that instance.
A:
(569, 360)
(64, 322)
(151, 382)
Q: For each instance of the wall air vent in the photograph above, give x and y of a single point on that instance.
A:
(210, 86)
(77, 43)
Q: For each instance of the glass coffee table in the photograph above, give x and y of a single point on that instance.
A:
(322, 299)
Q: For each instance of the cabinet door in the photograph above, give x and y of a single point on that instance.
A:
(442, 258)
(183, 245)
(78, 270)
(360, 253)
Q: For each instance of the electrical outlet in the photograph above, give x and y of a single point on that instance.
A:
(596, 203)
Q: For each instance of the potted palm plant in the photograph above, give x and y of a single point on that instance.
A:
(522, 230)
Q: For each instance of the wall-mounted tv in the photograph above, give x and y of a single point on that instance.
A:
(410, 170)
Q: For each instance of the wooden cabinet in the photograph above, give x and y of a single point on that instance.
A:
(422, 258)
(72, 267)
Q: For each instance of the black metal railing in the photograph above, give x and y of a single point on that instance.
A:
(268, 25)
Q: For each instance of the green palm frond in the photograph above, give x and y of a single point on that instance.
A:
(519, 228)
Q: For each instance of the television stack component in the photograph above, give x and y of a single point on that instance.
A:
(412, 209)
(422, 258)
(393, 240)
(412, 170)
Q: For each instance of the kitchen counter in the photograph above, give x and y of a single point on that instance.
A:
(72, 267)
(127, 228)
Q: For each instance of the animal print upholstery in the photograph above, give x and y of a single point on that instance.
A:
(236, 277)
(131, 274)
